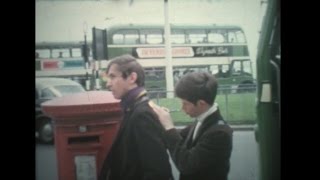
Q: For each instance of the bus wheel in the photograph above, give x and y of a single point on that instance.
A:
(46, 131)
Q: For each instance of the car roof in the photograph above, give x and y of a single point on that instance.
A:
(42, 83)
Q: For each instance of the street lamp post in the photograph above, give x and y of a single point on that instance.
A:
(168, 51)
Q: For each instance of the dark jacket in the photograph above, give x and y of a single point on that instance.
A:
(205, 158)
(138, 152)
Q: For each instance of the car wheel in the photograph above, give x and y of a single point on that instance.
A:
(46, 131)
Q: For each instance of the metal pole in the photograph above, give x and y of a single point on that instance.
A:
(227, 106)
(86, 58)
(169, 74)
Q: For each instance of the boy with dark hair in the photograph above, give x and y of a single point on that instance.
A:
(203, 149)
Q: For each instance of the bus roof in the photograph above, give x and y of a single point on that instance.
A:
(174, 26)
(59, 45)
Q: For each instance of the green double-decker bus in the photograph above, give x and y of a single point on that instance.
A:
(219, 49)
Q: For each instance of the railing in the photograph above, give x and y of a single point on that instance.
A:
(237, 104)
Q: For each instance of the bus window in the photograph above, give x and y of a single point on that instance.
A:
(197, 36)
(60, 53)
(43, 53)
(236, 69)
(131, 39)
(155, 80)
(177, 37)
(118, 39)
(76, 52)
(246, 67)
(220, 71)
(214, 37)
(151, 36)
(154, 39)
(231, 37)
(236, 36)
(241, 67)
(126, 37)
(240, 37)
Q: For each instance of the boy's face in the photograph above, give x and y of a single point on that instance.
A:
(116, 83)
(190, 109)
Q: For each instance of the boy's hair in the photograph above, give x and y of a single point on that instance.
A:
(127, 64)
(197, 86)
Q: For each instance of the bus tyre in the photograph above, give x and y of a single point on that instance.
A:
(46, 131)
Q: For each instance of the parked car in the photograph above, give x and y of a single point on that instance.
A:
(47, 89)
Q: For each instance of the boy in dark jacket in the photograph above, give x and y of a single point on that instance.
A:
(138, 151)
(203, 149)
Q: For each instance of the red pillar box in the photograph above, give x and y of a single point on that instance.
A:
(85, 125)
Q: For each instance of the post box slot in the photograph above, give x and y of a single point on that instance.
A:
(83, 139)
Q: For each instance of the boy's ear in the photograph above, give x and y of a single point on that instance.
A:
(133, 77)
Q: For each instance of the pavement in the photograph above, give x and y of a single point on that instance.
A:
(243, 127)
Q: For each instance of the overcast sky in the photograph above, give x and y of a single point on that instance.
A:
(64, 20)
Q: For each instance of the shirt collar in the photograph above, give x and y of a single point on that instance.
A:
(131, 96)
(204, 115)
